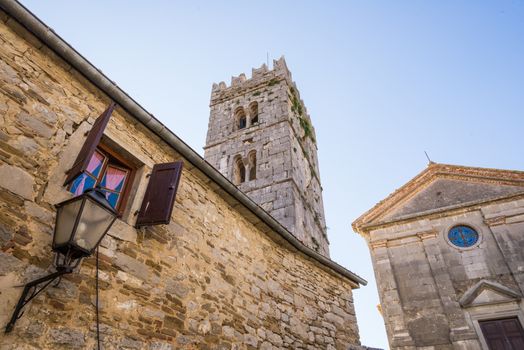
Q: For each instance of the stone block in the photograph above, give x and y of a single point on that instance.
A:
(17, 181)
(132, 266)
(71, 338)
(35, 125)
(123, 231)
(39, 213)
(9, 263)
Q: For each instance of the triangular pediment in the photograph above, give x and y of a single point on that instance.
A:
(443, 187)
(442, 192)
(487, 292)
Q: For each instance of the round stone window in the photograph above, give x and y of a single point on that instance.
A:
(463, 236)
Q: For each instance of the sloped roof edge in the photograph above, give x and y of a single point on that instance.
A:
(433, 170)
(52, 40)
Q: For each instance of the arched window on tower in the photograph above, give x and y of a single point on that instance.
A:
(253, 112)
(240, 118)
(239, 171)
(252, 165)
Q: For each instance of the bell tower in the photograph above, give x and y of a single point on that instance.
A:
(261, 138)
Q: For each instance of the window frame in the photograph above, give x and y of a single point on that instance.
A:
(113, 159)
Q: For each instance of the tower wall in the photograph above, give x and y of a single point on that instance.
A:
(287, 183)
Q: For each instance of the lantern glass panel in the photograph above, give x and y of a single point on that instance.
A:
(65, 221)
(93, 224)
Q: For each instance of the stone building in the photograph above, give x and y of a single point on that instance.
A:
(261, 138)
(219, 272)
(448, 254)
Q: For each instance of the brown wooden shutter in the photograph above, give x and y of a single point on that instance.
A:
(89, 147)
(160, 194)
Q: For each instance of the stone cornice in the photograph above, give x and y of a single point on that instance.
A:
(379, 244)
(405, 239)
(498, 220)
(427, 234)
(364, 230)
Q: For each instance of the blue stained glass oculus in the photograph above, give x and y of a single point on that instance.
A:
(463, 236)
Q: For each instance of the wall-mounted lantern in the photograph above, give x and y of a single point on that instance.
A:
(81, 223)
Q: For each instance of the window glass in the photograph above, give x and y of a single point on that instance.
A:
(114, 178)
(95, 164)
(102, 171)
(112, 198)
(81, 183)
(113, 183)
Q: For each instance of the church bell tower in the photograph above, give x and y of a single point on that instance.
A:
(261, 138)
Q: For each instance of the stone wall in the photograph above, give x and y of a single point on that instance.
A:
(422, 279)
(288, 179)
(211, 279)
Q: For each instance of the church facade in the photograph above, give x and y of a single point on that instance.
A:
(210, 269)
(448, 254)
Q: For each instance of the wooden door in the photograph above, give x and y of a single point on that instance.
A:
(503, 334)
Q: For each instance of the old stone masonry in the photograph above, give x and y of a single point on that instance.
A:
(234, 258)
(260, 137)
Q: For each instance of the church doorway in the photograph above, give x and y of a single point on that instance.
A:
(503, 334)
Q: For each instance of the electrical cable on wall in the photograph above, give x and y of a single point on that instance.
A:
(96, 304)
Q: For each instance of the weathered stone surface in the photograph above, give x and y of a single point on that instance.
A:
(5, 234)
(17, 181)
(73, 339)
(25, 144)
(161, 346)
(35, 125)
(276, 149)
(39, 213)
(211, 279)
(44, 114)
(132, 266)
(8, 263)
(129, 343)
(123, 232)
(178, 288)
(423, 277)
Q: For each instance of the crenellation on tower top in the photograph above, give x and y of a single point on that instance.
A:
(259, 72)
(280, 67)
(259, 76)
(237, 81)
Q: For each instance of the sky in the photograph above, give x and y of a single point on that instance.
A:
(383, 81)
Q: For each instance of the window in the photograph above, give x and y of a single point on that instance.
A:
(506, 333)
(240, 118)
(239, 171)
(252, 165)
(110, 173)
(463, 236)
(253, 112)
(98, 164)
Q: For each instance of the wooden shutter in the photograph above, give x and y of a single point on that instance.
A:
(160, 194)
(89, 147)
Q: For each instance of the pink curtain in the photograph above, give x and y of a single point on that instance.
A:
(114, 177)
(80, 188)
(95, 163)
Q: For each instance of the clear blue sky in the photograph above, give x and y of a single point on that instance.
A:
(382, 80)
